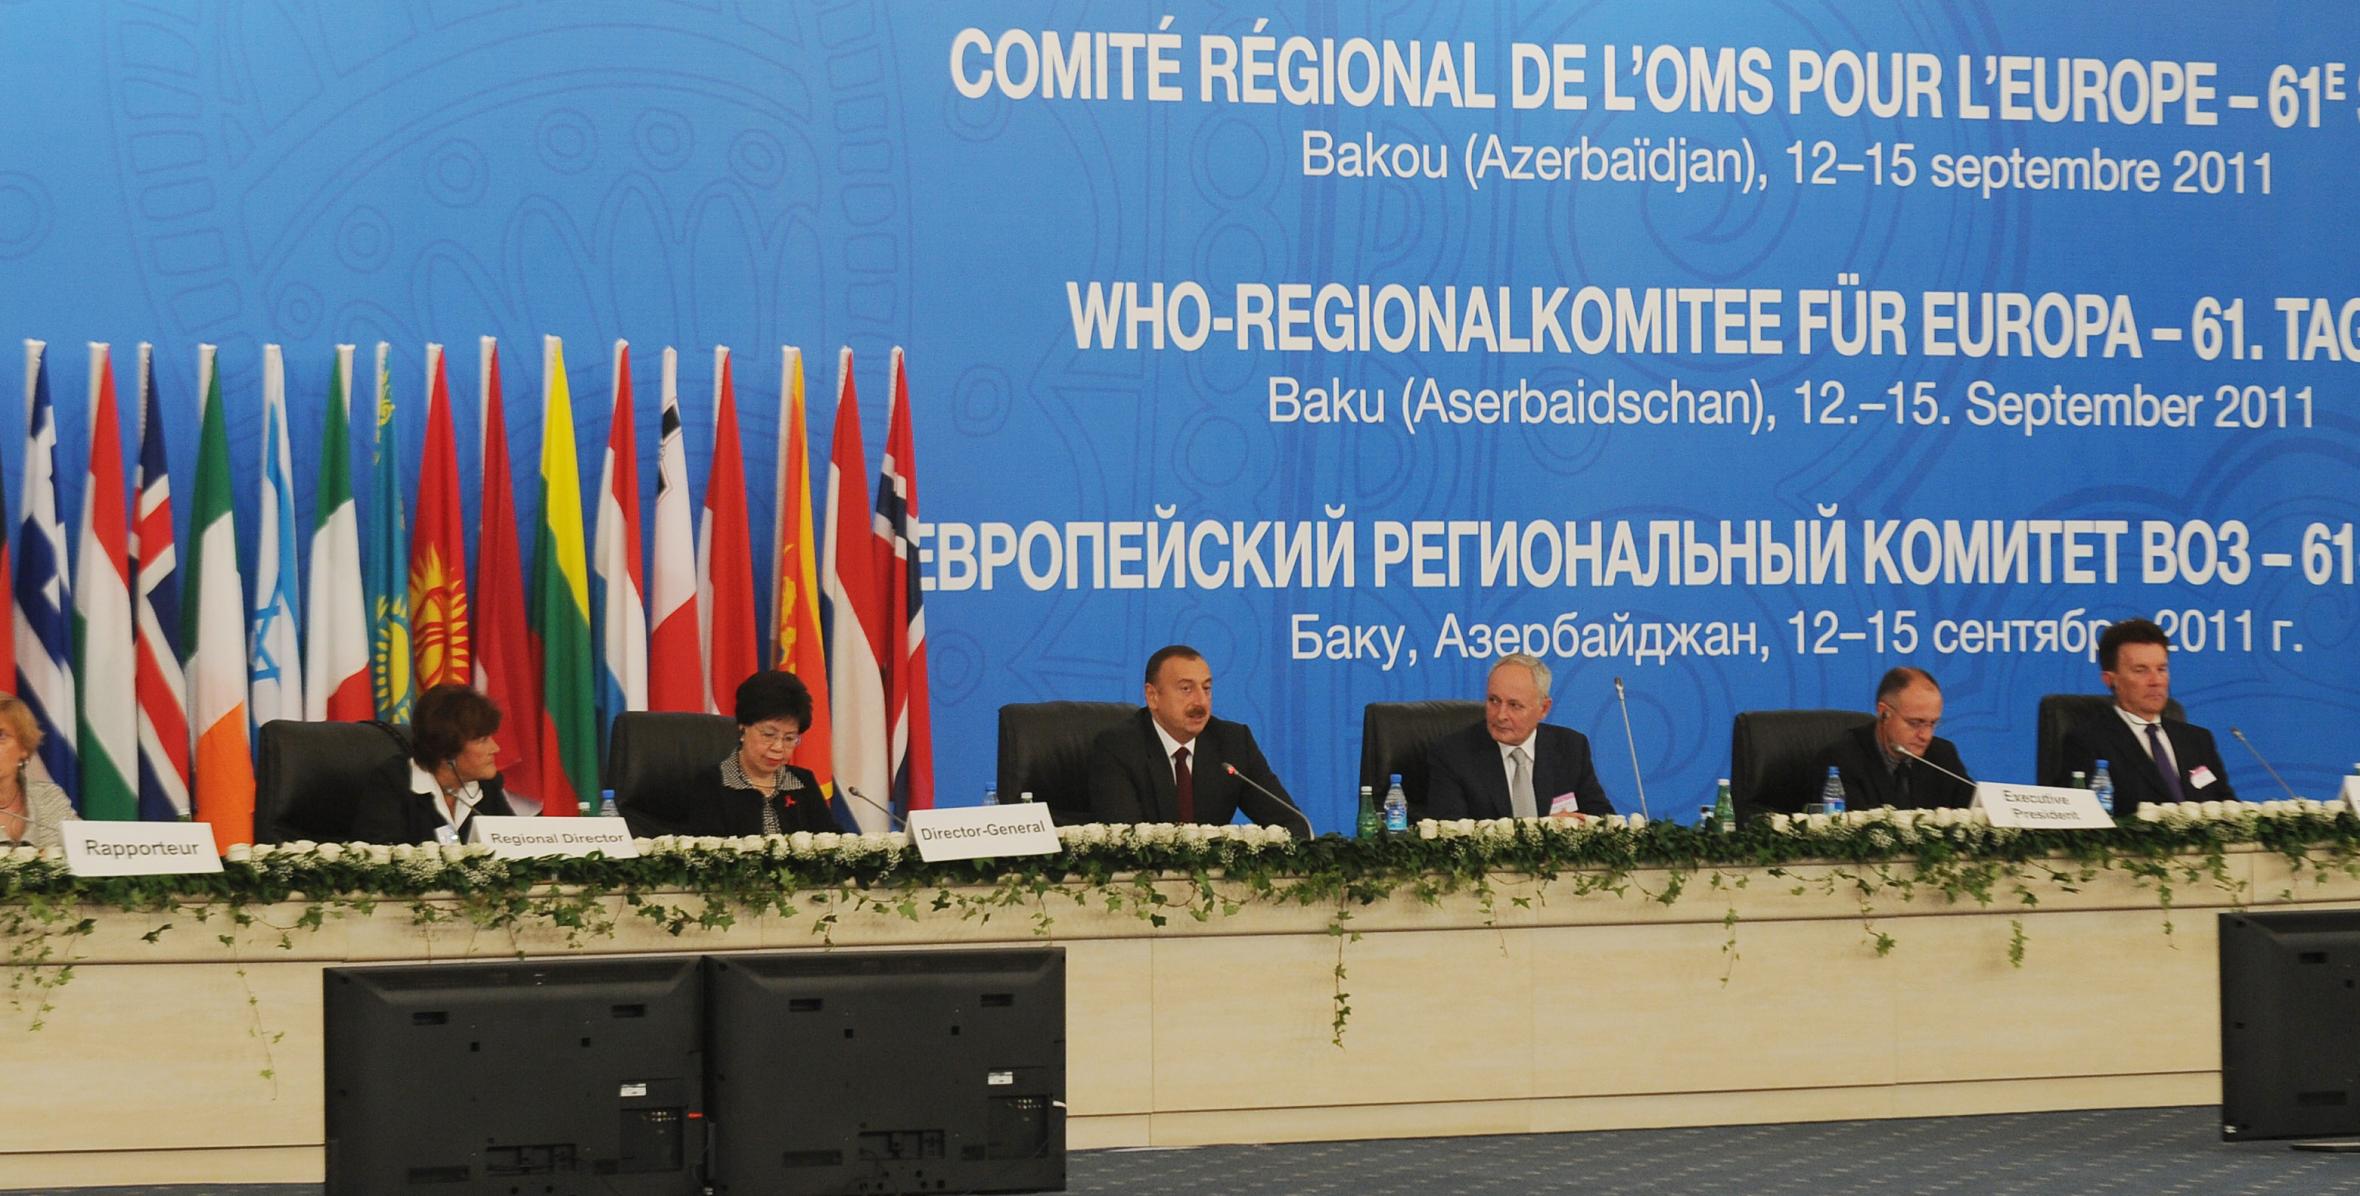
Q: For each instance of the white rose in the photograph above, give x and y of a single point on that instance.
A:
(1429, 829)
(1099, 834)
(453, 852)
(379, 853)
(1637, 822)
(302, 846)
(1821, 822)
(2212, 809)
(329, 851)
(1464, 826)
(746, 843)
(895, 840)
(2151, 812)
(239, 853)
(800, 843)
(827, 841)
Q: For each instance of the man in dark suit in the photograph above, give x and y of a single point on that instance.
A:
(1170, 762)
(2150, 757)
(1512, 764)
(1886, 762)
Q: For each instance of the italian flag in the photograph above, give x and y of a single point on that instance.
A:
(336, 647)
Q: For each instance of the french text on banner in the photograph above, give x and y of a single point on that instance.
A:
(139, 848)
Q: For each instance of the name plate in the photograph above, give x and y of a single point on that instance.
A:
(139, 848)
(2041, 807)
(521, 838)
(983, 832)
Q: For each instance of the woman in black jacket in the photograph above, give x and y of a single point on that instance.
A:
(754, 790)
(453, 775)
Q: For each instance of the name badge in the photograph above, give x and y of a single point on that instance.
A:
(514, 837)
(983, 832)
(139, 848)
(2041, 807)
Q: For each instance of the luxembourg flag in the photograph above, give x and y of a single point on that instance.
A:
(155, 588)
(214, 632)
(109, 735)
(615, 567)
(676, 653)
(336, 663)
(275, 661)
(856, 620)
(43, 626)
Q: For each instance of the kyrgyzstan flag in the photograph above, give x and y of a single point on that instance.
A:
(438, 547)
(214, 632)
(856, 611)
(906, 701)
(725, 558)
(508, 658)
(795, 597)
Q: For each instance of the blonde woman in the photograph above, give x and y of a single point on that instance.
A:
(30, 811)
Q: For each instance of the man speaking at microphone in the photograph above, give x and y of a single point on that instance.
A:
(1173, 761)
(1512, 765)
(1897, 760)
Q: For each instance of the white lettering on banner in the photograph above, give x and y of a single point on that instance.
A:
(2041, 807)
(523, 838)
(138, 848)
(983, 832)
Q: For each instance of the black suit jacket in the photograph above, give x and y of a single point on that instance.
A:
(2137, 780)
(709, 807)
(1868, 784)
(392, 813)
(1131, 778)
(1465, 779)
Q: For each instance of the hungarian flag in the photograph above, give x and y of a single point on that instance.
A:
(561, 601)
(44, 629)
(676, 653)
(856, 614)
(615, 567)
(385, 548)
(275, 661)
(794, 604)
(160, 686)
(214, 631)
(906, 697)
(438, 546)
(336, 643)
(109, 733)
(508, 655)
(725, 558)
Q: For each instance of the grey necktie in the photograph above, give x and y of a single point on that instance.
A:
(1520, 785)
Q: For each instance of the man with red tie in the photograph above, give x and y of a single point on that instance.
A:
(1170, 762)
(2151, 758)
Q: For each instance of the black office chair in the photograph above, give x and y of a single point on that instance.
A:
(308, 775)
(1771, 753)
(2060, 713)
(1045, 751)
(1394, 737)
(652, 754)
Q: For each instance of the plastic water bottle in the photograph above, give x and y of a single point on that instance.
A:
(1372, 824)
(606, 804)
(1724, 811)
(1024, 798)
(991, 795)
(1831, 792)
(1396, 808)
(2081, 780)
(2102, 784)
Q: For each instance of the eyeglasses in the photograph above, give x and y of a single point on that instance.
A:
(1914, 724)
(768, 737)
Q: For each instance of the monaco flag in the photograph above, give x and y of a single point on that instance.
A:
(856, 612)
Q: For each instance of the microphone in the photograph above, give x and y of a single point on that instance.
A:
(1915, 758)
(897, 823)
(1231, 769)
(2264, 762)
(1625, 702)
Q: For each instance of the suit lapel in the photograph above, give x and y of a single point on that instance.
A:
(1164, 796)
(1492, 776)
(2129, 749)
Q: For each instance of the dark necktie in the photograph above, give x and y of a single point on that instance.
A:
(1184, 783)
(2164, 763)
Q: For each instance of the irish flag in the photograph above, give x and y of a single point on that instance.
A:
(214, 632)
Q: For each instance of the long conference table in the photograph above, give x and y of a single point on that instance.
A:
(1762, 998)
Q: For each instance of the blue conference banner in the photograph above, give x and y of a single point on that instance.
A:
(1736, 350)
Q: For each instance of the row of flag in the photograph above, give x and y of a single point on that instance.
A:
(150, 697)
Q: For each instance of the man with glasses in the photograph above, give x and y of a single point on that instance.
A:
(1897, 760)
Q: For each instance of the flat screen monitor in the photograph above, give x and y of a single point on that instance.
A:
(2290, 1024)
(542, 1077)
(886, 1071)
